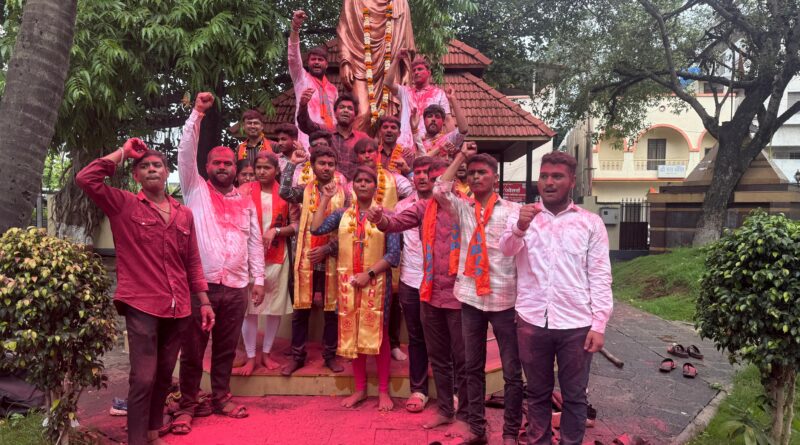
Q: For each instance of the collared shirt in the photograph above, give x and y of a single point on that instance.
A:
(158, 263)
(409, 154)
(408, 219)
(564, 269)
(411, 257)
(410, 98)
(502, 273)
(426, 144)
(230, 246)
(343, 146)
(303, 80)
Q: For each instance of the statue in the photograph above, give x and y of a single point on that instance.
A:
(386, 25)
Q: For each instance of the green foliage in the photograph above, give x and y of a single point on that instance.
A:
(56, 318)
(748, 300)
(666, 285)
(17, 429)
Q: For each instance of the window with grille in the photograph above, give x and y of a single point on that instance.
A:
(656, 153)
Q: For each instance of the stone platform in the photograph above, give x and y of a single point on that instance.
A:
(314, 379)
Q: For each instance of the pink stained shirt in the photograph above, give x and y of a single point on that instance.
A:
(409, 98)
(158, 263)
(408, 219)
(563, 269)
(411, 257)
(230, 245)
(302, 81)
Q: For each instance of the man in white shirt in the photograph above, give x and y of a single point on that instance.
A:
(229, 239)
(563, 297)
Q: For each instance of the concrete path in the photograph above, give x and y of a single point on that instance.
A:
(636, 399)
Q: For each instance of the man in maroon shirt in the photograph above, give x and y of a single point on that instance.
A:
(158, 267)
(439, 309)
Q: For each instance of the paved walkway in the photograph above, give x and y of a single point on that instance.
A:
(636, 399)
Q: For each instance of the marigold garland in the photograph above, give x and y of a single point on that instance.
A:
(397, 155)
(305, 176)
(313, 200)
(387, 62)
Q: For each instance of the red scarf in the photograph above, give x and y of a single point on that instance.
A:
(241, 152)
(428, 236)
(477, 265)
(324, 100)
(274, 253)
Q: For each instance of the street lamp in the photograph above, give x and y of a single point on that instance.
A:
(797, 177)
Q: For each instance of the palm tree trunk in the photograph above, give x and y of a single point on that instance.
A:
(29, 108)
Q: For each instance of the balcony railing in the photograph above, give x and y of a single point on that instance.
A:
(652, 164)
(611, 165)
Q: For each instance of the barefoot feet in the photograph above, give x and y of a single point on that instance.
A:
(437, 420)
(245, 369)
(459, 428)
(268, 362)
(385, 402)
(355, 399)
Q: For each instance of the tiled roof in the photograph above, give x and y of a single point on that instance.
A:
(489, 113)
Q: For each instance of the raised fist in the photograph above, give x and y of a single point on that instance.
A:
(375, 214)
(134, 148)
(403, 54)
(526, 215)
(298, 17)
(299, 156)
(469, 149)
(450, 93)
(414, 117)
(329, 189)
(203, 101)
(305, 98)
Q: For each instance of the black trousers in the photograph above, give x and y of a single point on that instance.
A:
(153, 343)
(229, 305)
(445, 344)
(300, 319)
(538, 348)
(417, 352)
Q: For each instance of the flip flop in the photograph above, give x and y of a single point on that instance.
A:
(689, 371)
(416, 402)
(166, 425)
(677, 350)
(694, 352)
(232, 410)
(181, 424)
(667, 365)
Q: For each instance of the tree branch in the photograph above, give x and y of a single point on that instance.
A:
(735, 17)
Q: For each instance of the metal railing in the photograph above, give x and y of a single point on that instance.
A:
(652, 164)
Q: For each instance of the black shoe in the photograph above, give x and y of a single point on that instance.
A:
(334, 365)
(479, 440)
(291, 367)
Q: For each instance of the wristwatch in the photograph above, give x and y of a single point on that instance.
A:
(277, 231)
(371, 273)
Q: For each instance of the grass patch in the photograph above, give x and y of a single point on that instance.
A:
(746, 392)
(22, 430)
(666, 285)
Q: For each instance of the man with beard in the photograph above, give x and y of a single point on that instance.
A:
(315, 259)
(460, 184)
(158, 265)
(435, 141)
(320, 106)
(253, 122)
(229, 238)
(287, 144)
(344, 136)
(486, 285)
(418, 96)
(563, 297)
(395, 157)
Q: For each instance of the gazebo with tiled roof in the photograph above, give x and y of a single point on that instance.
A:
(497, 124)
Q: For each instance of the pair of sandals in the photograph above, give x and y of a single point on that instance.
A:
(181, 424)
(689, 370)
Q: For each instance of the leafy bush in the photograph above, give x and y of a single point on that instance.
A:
(56, 319)
(748, 305)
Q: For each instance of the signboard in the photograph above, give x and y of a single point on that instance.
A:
(671, 171)
(514, 191)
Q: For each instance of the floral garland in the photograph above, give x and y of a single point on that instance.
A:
(305, 176)
(313, 201)
(369, 228)
(397, 155)
(381, 192)
(387, 62)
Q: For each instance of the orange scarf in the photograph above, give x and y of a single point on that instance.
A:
(241, 152)
(325, 104)
(274, 253)
(477, 264)
(428, 236)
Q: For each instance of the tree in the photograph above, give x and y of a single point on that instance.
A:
(56, 320)
(33, 82)
(620, 57)
(135, 64)
(748, 307)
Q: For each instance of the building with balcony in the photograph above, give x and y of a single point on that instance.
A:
(672, 144)
(784, 149)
